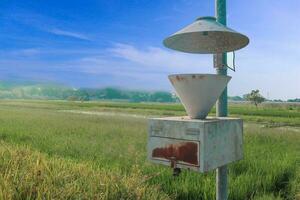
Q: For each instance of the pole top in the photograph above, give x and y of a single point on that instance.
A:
(206, 18)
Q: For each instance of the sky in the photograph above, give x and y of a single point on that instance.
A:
(100, 43)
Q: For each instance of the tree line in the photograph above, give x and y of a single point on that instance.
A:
(44, 91)
(84, 94)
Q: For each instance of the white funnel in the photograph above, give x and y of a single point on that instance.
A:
(198, 92)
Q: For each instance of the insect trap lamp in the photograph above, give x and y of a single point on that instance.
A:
(198, 142)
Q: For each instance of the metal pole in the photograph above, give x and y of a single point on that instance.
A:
(221, 106)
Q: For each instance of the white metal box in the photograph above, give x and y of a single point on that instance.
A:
(200, 145)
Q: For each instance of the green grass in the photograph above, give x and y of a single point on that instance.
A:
(27, 174)
(47, 153)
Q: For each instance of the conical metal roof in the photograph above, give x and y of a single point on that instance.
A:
(204, 36)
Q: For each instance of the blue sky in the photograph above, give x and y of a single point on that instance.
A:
(98, 43)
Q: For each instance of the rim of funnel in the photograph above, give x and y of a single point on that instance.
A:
(206, 17)
(197, 74)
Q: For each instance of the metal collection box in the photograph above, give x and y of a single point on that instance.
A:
(199, 145)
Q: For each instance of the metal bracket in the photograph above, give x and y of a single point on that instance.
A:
(173, 162)
(218, 61)
(233, 62)
(176, 170)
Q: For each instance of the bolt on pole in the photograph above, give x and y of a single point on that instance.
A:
(221, 105)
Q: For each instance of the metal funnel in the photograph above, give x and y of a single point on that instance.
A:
(198, 92)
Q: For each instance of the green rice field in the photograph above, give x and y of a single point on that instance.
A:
(97, 150)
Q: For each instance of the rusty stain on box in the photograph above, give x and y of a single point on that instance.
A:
(185, 152)
(200, 145)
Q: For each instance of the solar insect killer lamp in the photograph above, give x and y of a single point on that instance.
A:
(198, 142)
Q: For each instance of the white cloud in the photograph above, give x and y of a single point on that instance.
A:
(69, 34)
(158, 58)
(44, 23)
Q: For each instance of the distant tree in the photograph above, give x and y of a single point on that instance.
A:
(84, 98)
(161, 97)
(139, 96)
(294, 100)
(72, 98)
(83, 95)
(236, 98)
(255, 97)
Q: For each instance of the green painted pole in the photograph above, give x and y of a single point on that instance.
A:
(221, 105)
(222, 70)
